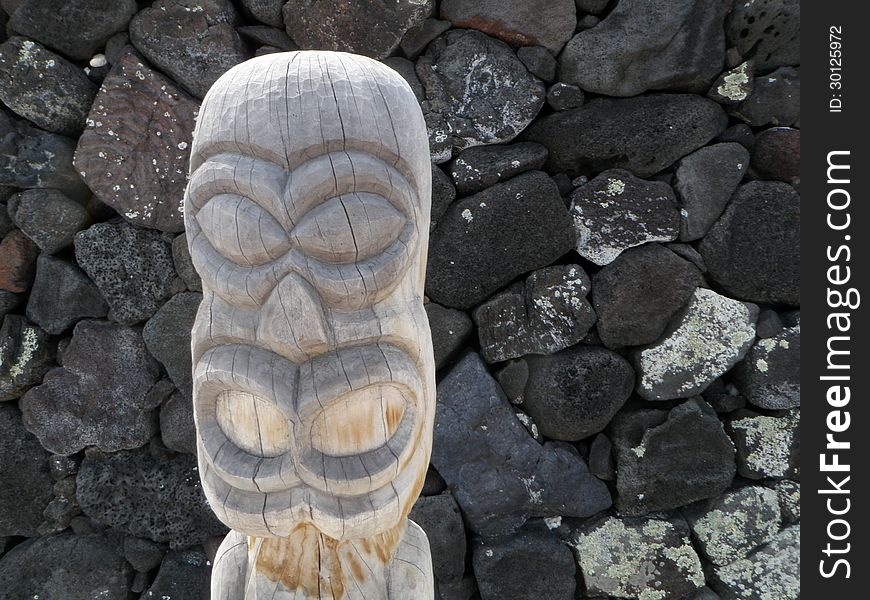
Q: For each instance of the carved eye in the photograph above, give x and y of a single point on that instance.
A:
(349, 228)
(253, 424)
(242, 231)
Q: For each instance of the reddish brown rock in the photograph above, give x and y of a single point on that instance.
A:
(17, 262)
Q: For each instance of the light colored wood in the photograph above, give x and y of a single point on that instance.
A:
(307, 217)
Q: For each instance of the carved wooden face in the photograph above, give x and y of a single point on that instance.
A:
(307, 216)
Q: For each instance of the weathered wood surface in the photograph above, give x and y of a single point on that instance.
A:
(307, 216)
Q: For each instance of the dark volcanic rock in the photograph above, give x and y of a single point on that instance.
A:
(769, 376)
(733, 86)
(644, 134)
(99, 396)
(440, 518)
(478, 88)
(66, 566)
(740, 133)
(143, 554)
(370, 28)
(563, 96)
(184, 575)
(512, 378)
(498, 474)
(637, 295)
(62, 295)
(549, 312)
(775, 99)
(704, 182)
(162, 501)
(17, 262)
(43, 87)
(575, 393)
(177, 430)
(443, 194)
(77, 28)
(777, 154)
(485, 240)
(167, 336)
(538, 61)
(480, 167)
(26, 354)
(48, 217)
(643, 45)
(601, 458)
(667, 459)
(135, 151)
(184, 264)
(266, 11)
(131, 266)
(771, 572)
(547, 23)
(766, 30)
(269, 36)
(753, 250)
(27, 485)
(531, 564)
(416, 39)
(450, 328)
(767, 447)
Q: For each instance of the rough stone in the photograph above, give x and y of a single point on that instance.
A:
(416, 39)
(131, 266)
(667, 459)
(637, 295)
(478, 168)
(601, 458)
(167, 336)
(482, 242)
(266, 11)
(440, 518)
(733, 86)
(48, 217)
(771, 573)
(177, 430)
(134, 154)
(766, 30)
(547, 313)
(268, 36)
(478, 89)
(99, 396)
(616, 211)
(564, 96)
(17, 262)
(128, 491)
(643, 45)
(143, 554)
(777, 154)
(498, 473)
(192, 41)
(62, 295)
(443, 194)
(740, 133)
(644, 134)
(512, 378)
(26, 354)
(769, 375)
(184, 575)
(767, 447)
(184, 265)
(753, 250)
(789, 496)
(450, 329)
(538, 61)
(775, 99)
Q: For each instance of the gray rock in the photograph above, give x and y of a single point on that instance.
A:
(601, 458)
(192, 41)
(99, 396)
(27, 485)
(771, 572)
(789, 496)
(644, 134)
(48, 217)
(77, 28)
(547, 313)
(563, 96)
(498, 474)
(767, 447)
(143, 554)
(775, 99)
(184, 265)
(630, 558)
(777, 154)
(167, 336)
(733, 86)
(184, 575)
(590, 6)
(740, 133)
(177, 430)
(450, 329)
(266, 11)
(43, 87)
(643, 45)
(372, 29)
(443, 194)
(17, 262)
(480, 167)
(575, 393)
(753, 250)
(269, 36)
(667, 459)
(616, 211)
(416, 39)
(482, 242)
(26, 354)
(440, 518)
(704, 181)
(62, 295)
(128, 491)
(766, 30)
(637, 295)
(769, 376)
(769, 324)
(531, 564)
(538, 61)
(512, 378)
(131, 266)
(478, 88)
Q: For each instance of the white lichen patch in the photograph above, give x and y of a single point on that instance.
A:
(29, 345)
(735, 83)
(466, 214)
(768, 442)
(615, 187)
(771, 573)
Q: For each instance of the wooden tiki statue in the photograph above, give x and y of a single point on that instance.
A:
(307, 216)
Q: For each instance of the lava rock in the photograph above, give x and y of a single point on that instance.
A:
(777, 154)
(771, 572)
(192, 41)
(766, 30)
(753, 250)
(563, 96)
(769, 376)
(43, 87)
(416, 39)
(27, 486)
(775, 99)
(740, 133)
(478, 168)
(732, 525)
(443, 194)
(705, 181)
(616, 211)
(706, 338)
(17, 262)
(135, 151)
(538, 61)
(767, 447)
(26, 354)
(177, 430)
(643, 45)
(48, 217)
(789, 496)
(450, 328)
(440, 518)
(167, 336)
(667, 459)
(62, 295)
(531, 564)
(370, 28)
(77, 28)
(266, 11)
(637, 295)
(99, 396)
(733, 86)
(184, 264)
(601, 458)
(512, 378)
(498, 473)
(128, 491)
(478, 88)
(769, 324)
(629, 558)
(546, 314)
(182, 575)
(644, 134)
(590, 7)
(66, 566)
(269, 36)
(482, 242)
(131, 266)
(143, 554)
